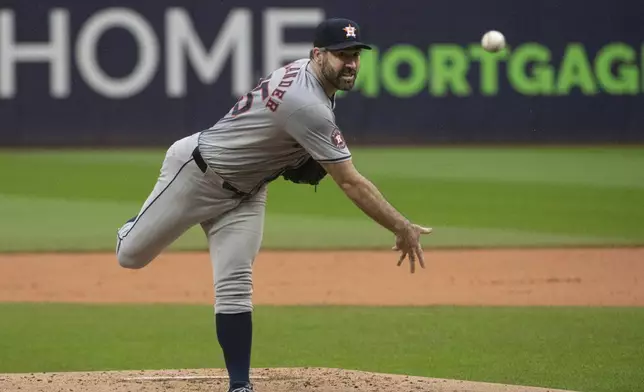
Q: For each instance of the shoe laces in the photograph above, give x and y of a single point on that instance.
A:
(242, 389)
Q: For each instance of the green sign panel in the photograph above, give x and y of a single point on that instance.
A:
(530, 69)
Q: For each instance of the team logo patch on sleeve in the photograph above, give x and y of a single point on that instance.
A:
(337, 139)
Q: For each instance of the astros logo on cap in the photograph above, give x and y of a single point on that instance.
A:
(351, 31)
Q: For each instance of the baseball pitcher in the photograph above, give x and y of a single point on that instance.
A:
(217, 178)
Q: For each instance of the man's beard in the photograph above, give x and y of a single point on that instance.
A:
(337, 80)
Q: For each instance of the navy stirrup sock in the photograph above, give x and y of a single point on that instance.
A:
(235, 332)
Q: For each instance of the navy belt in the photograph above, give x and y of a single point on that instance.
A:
(203, 166)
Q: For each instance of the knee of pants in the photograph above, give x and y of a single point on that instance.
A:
(234, 294)
(129, 255)
(131, 258)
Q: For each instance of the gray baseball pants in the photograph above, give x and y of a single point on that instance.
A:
(185, 196)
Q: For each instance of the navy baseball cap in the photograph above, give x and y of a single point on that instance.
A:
(338, 34)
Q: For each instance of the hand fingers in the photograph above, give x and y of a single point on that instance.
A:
(421, 258)
(402, 257)
(425, 230)
(412, 261)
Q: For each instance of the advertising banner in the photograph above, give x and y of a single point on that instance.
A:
(108, 73)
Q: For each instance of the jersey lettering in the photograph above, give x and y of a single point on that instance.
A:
(278, 93)
(272, 105)
(246, 102)
(237, 109)
(262, 86)
(290, 118)
(290, 67)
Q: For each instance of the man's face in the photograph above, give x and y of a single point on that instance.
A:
(340, 68)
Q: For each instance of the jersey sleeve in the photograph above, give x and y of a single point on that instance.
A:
(314, 128)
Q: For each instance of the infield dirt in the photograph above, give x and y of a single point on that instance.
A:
(552, 277)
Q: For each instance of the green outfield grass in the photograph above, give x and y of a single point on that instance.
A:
(575, 348)
(63, 200)
(483, 197)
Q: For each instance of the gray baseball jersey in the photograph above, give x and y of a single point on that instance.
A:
(279, 124)
(286, 119)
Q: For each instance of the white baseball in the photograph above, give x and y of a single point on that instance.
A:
(493, 41)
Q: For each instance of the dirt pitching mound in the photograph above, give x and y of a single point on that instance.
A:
(265, 380)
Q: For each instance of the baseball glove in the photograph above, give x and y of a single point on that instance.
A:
(310, 172)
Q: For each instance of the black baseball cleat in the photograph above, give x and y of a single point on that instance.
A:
(245, 388)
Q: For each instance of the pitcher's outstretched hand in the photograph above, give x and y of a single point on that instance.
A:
(408, 242)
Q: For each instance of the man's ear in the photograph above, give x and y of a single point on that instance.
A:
(316, 54)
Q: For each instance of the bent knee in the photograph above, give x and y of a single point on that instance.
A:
(129, 253)
(131, 258)
(130, 261)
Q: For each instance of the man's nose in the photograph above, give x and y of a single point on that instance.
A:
(352, 63)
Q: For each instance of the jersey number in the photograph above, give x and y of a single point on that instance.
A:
(239, 109)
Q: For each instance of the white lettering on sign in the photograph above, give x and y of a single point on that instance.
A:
(55, 52)
(184, 50)
(277, 52)
(183, 45)
(148, 52)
